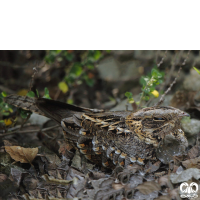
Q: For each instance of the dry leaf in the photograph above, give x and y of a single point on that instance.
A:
(163, 198)
(192, 163)
(185, 175)
(148, 187)
(64, 147)
(21, 154)
(174, 194)
(10, 142)
(194, 152)
(164, 180)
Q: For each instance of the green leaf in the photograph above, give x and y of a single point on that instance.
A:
(69, 57)
(197, 70)
(90, 82)
(131, 100)
(90, 66)
(63, 87)
(30, 94)
(146, 98)
(37, 93)
(69, 79)
(4, 94)
(24, 113)
(138, 102)
(152, 89)
(156, 73)
(97, 55)
(58, 51)
(46, 96)
(70, 101)
(146, 90)
(76, 69)
(128, 94)
(46, 91)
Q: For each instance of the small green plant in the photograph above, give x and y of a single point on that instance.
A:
(7, 110)
(129, 96)
(80, 66)
(149, 84)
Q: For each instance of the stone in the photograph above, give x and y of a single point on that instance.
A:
(191, 127)
(192, 81)
(111, 70)
(38, 119)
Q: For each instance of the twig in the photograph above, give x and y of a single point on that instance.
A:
(165, 54)
(33, 77)
(16, 127)
(170, 87)
(32, 131)
(175, 61)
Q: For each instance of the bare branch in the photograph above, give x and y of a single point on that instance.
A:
(31, 131)
(170, 87)
(33, 77)
(165, 54)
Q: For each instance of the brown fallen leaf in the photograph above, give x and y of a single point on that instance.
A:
(194, 151)
(192, 163)
(148, 187)
(163, 198)
(21, 154)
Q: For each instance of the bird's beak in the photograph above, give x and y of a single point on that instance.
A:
(184, 114)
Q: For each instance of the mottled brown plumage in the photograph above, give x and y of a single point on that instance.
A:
(110, 138)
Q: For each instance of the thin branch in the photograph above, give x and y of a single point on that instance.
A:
(31, 131)
(16, 127)
(170, 87)
(33, 77)
(165, 54)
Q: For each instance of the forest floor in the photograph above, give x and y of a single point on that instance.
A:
(36, 163)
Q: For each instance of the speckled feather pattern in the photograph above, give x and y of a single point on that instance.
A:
(109, 138)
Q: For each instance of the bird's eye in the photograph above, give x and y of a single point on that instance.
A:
(158, 119)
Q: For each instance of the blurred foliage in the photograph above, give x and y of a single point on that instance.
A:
(7, 110)
(77, 71)
(129, 96)
(149, 84)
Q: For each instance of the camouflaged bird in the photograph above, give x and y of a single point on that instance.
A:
(109, 138)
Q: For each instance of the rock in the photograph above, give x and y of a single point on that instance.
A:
(165, 103)
(108, 69)
(111, 70)
(192, 81)
(122, 52)
(170, 147)
(144, 54)
(191, 127)
(122, 105)
(185, 175)
(38, 119)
